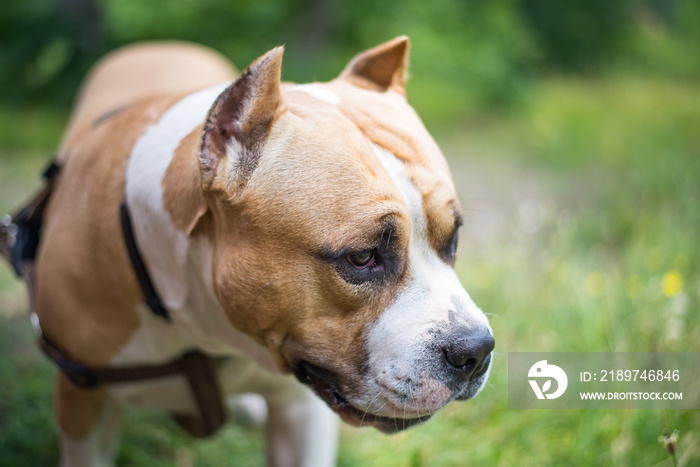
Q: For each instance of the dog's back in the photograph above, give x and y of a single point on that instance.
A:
(139, 71)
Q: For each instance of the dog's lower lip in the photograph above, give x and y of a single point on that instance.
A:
(308, 374)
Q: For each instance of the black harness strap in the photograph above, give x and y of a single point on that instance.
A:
(149, 291)
(200, 370)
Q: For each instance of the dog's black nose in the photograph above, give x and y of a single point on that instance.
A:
(470, 351)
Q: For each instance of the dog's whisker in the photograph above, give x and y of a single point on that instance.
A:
(260, 293)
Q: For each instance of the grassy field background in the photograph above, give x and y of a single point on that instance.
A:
(582, 233)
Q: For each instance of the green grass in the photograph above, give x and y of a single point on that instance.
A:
(581, 234)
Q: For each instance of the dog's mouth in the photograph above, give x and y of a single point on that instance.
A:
(321, 382)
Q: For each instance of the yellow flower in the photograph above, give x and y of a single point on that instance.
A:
(672, 283)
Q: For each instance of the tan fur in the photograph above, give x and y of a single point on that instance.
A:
(297, 312)
(381, 68)
(77, 410)
(182, 194)
(139, 71)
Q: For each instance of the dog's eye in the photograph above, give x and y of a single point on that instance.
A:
(364, 264)
(451, 250)
(363, 260)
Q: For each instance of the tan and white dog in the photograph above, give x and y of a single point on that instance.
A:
(305, 232)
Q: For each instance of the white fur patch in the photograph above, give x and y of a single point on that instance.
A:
(317, 92)
(150, 158)
(397, 342)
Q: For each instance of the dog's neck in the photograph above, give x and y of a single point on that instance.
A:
(162, 190)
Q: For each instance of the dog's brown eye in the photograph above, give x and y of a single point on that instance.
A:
(362, 260)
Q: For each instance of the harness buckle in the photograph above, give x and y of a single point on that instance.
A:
(9, 229)
(8, 236)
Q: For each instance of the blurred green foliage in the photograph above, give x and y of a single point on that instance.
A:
(479, 53)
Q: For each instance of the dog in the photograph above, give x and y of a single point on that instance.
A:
(302, 235)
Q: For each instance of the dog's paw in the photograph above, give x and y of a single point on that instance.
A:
(247, 409)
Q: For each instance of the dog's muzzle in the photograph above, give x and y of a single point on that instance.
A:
(459, 364)
(321, 381)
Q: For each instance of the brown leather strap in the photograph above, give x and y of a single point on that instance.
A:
(90, 377)
(200, 370)
(202, 373)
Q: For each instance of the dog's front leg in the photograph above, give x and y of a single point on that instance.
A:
(301, 430)
(88, 420)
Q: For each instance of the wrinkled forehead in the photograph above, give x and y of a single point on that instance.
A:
(327, 154)
(386, 121)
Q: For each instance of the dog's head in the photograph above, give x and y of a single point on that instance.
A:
(335, 225)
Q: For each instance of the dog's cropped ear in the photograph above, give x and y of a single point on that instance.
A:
(382, 68)
(239, 122)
